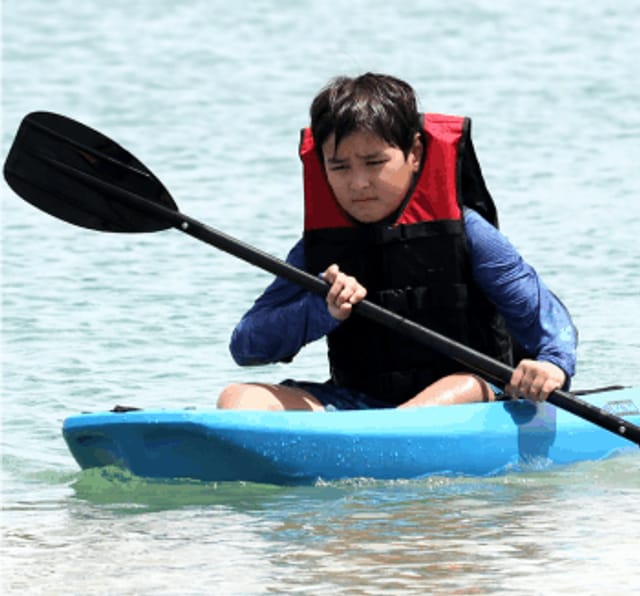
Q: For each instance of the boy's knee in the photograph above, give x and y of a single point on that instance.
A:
(230, 397)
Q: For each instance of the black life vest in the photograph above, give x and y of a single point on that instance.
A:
(417, 266)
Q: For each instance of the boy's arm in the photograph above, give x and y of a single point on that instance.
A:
(535, 316)
(282, 320)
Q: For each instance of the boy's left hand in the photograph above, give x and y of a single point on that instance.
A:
(535, 380)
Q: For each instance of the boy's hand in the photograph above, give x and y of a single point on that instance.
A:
(535, 380)
(345, 291)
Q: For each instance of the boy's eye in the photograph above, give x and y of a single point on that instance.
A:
(376, 162)
(337, 167)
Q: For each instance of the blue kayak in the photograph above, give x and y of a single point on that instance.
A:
(303, 447)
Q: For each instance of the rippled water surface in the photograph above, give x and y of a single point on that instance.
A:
(210, 96)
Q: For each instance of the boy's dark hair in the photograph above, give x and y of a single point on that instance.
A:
(375, 103)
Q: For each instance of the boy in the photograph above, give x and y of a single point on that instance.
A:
(396, 209)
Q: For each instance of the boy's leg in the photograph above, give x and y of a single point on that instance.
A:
(459, 388)
(263, 396)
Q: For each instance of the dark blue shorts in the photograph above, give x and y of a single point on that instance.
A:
(333, 397)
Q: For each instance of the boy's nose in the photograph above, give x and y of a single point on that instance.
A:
(359, 181)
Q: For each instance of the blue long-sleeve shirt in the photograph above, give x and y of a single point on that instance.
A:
(286, 317)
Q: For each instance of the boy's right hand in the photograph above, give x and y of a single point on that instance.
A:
(345, 291)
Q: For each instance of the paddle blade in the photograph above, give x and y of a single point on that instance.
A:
(78, 175)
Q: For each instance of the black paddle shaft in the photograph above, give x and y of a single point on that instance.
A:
(77, 174)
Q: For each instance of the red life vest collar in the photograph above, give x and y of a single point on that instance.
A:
(434, 196)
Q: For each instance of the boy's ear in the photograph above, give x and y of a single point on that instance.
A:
(416, 151)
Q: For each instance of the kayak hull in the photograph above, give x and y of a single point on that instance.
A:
(302, 447)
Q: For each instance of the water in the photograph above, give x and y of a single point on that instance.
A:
(211, 97)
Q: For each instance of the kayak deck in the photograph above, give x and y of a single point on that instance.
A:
(302, 447)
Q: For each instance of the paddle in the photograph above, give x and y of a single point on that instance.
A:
(77, 174)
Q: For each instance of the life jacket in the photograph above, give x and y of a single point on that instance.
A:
(416, 265)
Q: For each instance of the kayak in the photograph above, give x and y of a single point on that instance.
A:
(304, 447)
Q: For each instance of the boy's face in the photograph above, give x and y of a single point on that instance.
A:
(369, 177)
